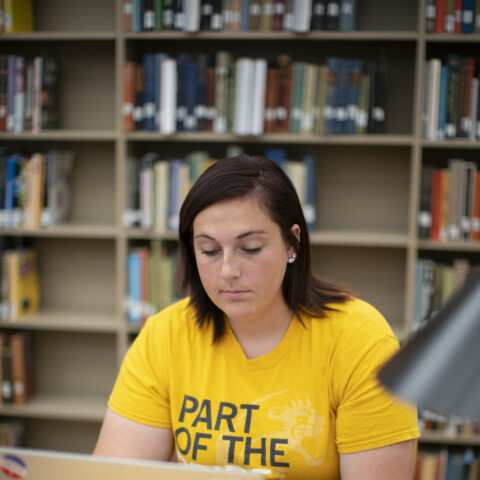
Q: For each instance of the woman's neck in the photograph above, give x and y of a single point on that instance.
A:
(259, 336)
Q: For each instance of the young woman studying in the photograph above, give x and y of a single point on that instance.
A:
(263, 365)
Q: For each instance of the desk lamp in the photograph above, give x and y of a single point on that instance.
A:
(439, 366)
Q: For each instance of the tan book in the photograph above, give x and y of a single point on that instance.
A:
(19, 369)
(308, 107)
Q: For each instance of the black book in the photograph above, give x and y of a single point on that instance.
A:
(206, 10)
(148, 16)
(319, 15)
(333, 14)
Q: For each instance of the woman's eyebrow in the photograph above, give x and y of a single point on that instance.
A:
(242, 235)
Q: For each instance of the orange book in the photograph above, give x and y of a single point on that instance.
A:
(19, 369)
(435, 205)
(128, 95)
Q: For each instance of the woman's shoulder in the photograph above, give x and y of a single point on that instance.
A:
(355, 316)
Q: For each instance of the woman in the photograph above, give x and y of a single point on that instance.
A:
(264, 365)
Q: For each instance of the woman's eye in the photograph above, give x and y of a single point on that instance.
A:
(209, 253)
(252, 250)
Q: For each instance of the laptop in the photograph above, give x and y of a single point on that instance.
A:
(32, 464)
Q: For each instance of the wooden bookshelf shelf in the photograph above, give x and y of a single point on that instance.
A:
(443, 439)
(452, 38)
(453, 143)
(62, 135)
(66, 231)
(449, 246)
(360, 239)
(63, 407)
(268, 36)
(67, 36)
(66, 320)
(194, 137)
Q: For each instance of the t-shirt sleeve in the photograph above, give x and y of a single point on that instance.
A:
(141, 391)
(367, 415)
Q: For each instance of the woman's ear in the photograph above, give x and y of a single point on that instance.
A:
(296, 231)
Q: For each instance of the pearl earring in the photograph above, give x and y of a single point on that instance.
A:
(292, 258)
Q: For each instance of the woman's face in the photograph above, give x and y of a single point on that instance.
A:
(241, 258)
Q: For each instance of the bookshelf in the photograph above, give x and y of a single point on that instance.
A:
(367, 200)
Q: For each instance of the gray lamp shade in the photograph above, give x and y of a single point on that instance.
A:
(439, 366)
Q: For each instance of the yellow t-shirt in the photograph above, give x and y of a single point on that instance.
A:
(292, 410)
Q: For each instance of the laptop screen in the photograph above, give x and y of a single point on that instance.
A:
(19, 463)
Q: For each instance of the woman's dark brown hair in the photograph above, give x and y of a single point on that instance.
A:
(260, 177)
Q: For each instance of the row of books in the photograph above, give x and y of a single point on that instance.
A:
(35, 189)
(451, 98)
(12, 432)
(16, 357)
(151, 273)
(452, 16)
(435, 282)
(29, 93)
(157, 186)
(451, 426)
(447, 464)
(239, 15)
(16, 16)
(450, 202)
(221, 94)
(19, 283)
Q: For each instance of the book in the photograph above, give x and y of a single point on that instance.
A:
(244, 86)
(302, 11)
(168, 96)
(18, 16)
(440, 10)
(258, 96)
(319, 15)
(7, 383)
(333, 14)
(424, 211)
(50, 104)
(21, 362)
(348, 15)
(223, 64)
(24, 288)
(3, 92)
(468, 16)
(430, 14)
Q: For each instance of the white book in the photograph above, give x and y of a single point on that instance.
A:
(258, 104)
(244, 84)
(433, 98)
(161, 178)
(168, 96)
(192, 15)
(302, 14)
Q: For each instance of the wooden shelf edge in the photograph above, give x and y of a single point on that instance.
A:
(441, 438)
(66, 320)
(287, 138)
(59, 35)
(449, 246)
(64, 231)
(379, 35)
(59, 408)
(62, 135)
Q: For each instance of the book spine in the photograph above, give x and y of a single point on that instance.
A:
(149, 107)
(458, 16)
(258, 98)
(467, 16)
(424, 211)
(302, 14)
(244, 85)
(3, 92)
(127, 9)
(440, 10)
(168, 96)
(450, 16)
(19, 371)
(319, 15)
(430, 9)
(348, 15)
(333, 14)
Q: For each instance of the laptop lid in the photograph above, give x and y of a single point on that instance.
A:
(20, 463)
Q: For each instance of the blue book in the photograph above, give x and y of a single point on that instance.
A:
(442, 106)
(201, 91)
(136, 16)
(341, 99)
(190, 121)
(134, 283)
(245, 16)
(333, 65)
(348, 15)
(355, 79)
(468, 16)
(310, 209)
(10, 202)
(149, 108)
(277, 155)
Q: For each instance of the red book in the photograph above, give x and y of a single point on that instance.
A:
(458, 16)
(284, 92)
(465, 107)
(128, 95)
(441, 10)
(271, 100)
(210, 98)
